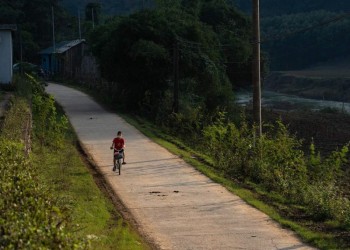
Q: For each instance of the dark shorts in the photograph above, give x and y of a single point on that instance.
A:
(119, 153)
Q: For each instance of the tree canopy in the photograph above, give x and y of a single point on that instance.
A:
(137, 52)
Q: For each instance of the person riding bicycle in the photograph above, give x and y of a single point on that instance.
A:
(118, 144)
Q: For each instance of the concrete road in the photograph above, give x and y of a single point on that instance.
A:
(175, 205)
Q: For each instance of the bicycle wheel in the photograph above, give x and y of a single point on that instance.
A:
(114, 164)
(119, 166)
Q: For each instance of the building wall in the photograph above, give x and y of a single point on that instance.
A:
(5, 57)
(76, 63)
(72, 59)
(45, 62)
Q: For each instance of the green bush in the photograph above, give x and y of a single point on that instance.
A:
(326, 169)
(230, 147)
(276, 163)
(280, 162)
(273, 161)
(29, 218)
(49, 128)
(17, 118)
(324, 202)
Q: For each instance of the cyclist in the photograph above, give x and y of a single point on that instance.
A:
(118, 144)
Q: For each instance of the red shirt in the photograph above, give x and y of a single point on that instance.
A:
(118, 143)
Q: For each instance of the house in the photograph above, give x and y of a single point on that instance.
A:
(65, 59)
(6, 52)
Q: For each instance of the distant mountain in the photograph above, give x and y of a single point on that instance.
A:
(108, 7)
(270, 8)
(299, 34)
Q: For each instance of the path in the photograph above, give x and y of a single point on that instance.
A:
(175, 205)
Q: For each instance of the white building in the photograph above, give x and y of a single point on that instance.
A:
(6, 52)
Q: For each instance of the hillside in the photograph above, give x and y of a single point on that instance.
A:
(298, 34)
(270, 8)
(108, 7)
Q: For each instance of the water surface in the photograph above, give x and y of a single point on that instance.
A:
(275, 100)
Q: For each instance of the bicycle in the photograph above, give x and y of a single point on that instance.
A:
(117, 156)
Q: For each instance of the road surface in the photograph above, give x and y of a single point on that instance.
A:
(174, 205)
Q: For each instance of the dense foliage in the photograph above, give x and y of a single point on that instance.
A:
(136, 53)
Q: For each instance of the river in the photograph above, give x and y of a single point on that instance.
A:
(281, 101)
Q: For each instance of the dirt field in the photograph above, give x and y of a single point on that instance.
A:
(338, 68)
(327, 81)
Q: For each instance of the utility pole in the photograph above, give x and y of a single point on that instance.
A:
(256, 66)
(53, 31)
(176, 77)
(79, 24)
(92, 17)
(53, 64)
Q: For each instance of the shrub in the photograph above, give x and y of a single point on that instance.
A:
(49, 128)
(328, 169)
(279, 162)
(325, 202)
(17, 118)
(273, 161)
(29, 217)
(276, 162)
(230, 147)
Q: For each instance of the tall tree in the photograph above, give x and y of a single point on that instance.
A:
(136, 52)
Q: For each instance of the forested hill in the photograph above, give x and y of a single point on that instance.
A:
(109, 7)
(299, 34)
(270, 8)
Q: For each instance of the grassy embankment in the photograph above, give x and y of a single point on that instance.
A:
(69, 184)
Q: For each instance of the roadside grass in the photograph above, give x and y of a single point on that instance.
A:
(73, 186)
(252, 196)
(70, 178)
(93, 214)
(65, 175)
